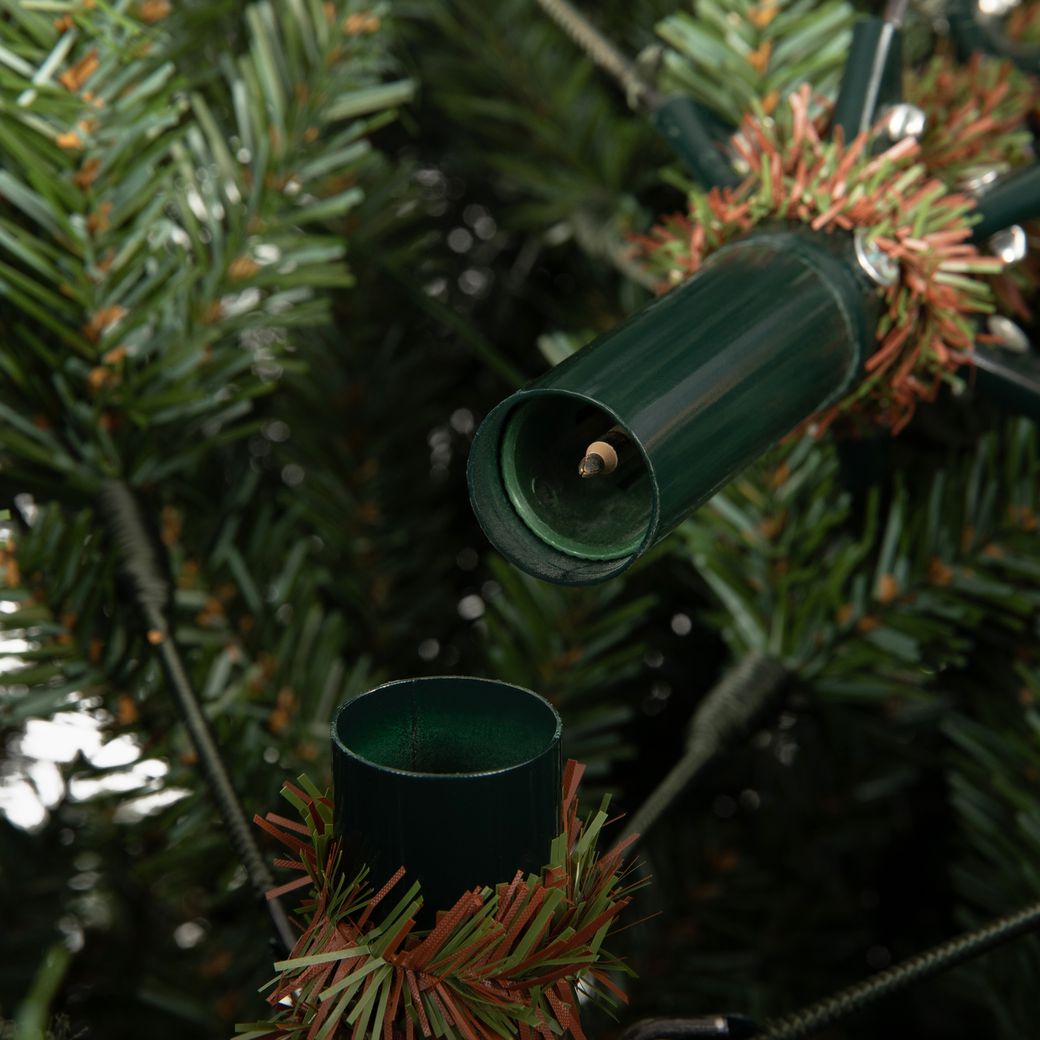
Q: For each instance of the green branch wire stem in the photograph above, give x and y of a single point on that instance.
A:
(707, 1027)
(34, 1012)
(856, 997)
(684, 123)
(600, 50)
(924, 965)
(728, 709)
(143, 565)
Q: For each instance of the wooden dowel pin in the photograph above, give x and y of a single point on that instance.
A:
(601, 457)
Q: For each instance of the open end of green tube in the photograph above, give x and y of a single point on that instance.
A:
(451, 726)
(455, 778)
(601, 517)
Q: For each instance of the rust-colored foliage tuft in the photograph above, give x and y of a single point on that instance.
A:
(501, 963)
(798, 173)
(976, 113)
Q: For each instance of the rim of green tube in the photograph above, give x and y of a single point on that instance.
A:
(564, 531)
(447, 686)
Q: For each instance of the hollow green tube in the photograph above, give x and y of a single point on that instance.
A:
(456, 779)
(697, 384)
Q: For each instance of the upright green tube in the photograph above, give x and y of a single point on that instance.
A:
(693, 388)
(456, 779)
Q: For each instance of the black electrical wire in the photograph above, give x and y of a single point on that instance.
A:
(143, 565)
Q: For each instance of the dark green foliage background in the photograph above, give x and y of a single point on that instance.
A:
(321, 541)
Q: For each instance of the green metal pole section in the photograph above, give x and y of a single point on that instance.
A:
(692, 388)
(872, 76)
(699, 138)
(456, 779)
(972, 31)
(1012, 200)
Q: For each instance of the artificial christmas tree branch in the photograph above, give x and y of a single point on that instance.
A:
(727, 711)
(161, 244)
(638, 92)
(855, 998)
(144, 568)
(931, 962)
(584, 648)
(501, 961)
(739, 55)
(905, 605)
(907, 584)
(682, 121)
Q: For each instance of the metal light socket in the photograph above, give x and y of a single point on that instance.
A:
(700, 382)
(456, 779)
